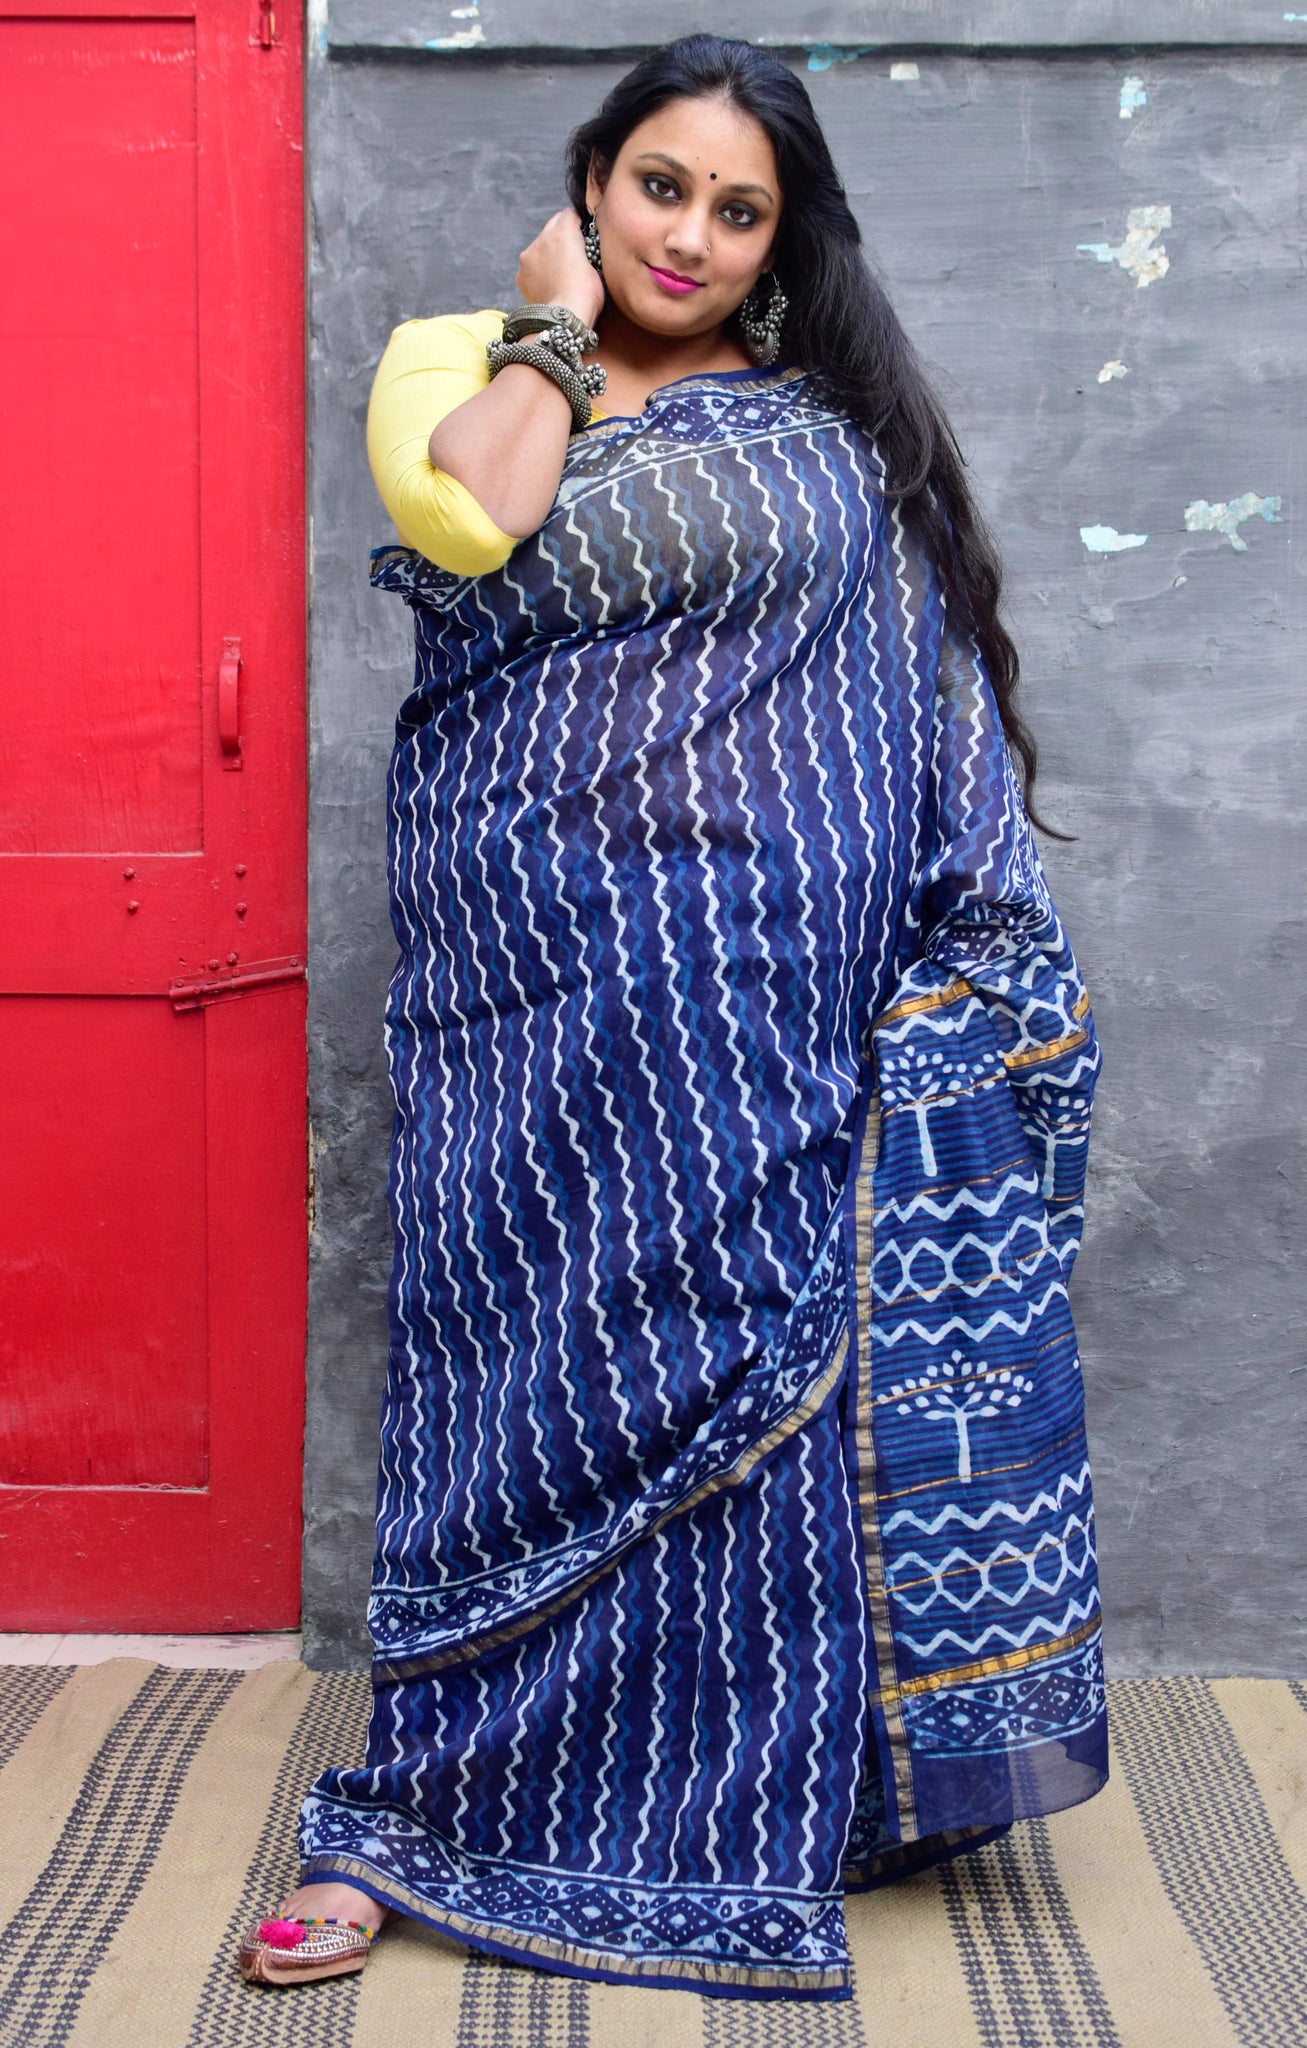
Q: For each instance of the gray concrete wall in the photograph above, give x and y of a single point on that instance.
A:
(1164, 678)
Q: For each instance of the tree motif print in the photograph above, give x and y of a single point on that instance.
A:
(961, 1392)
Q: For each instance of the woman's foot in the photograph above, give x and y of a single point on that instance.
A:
(332, 1900)
(321, 1930)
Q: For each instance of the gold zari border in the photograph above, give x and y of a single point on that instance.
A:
(938, 999)
(1038, 1054)
(692, 1969)
(887, 1696)
(994, 1667)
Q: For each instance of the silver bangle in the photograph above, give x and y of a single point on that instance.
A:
(575, 385)
(571, 328)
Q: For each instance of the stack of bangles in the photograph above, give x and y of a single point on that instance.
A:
(561, 339)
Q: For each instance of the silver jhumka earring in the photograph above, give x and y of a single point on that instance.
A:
(761, 323)
(590, 236)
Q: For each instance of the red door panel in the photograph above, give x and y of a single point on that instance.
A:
(152, 1142)
(104, 1345)
(97, 121)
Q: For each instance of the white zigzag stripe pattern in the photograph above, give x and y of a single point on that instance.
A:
(1076, 1484)
(1051, 1627)
(1007, 1574)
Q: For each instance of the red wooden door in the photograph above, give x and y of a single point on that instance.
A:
(152, 829)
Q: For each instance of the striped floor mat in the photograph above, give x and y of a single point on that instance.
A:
(146, 1814)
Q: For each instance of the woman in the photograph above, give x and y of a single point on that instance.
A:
(735, 1540)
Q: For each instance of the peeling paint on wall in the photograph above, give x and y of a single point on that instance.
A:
(904, 72)
(1105, 540)
(1133, 96)
(822, 55)
(461, 38)
(1200, 517)
(1140, 253)
(1112, 370)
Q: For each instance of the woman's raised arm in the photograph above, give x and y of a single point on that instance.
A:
(465, 467)
(429, 367)
(506, 445)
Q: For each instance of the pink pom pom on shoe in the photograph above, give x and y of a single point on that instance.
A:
(282, 1933)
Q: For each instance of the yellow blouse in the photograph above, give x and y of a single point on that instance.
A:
(429, 367)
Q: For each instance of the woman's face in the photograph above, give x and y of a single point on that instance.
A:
(687, 216)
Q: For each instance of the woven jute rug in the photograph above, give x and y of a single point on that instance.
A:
(147, 1814)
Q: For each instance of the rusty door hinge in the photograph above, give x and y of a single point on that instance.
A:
(197, 991)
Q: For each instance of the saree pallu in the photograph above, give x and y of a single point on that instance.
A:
(735, 1538)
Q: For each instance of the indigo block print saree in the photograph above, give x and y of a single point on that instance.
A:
(735, 1543)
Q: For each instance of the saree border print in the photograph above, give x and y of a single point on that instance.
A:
(573, 1958)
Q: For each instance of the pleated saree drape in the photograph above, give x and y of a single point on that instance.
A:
(735, 1542)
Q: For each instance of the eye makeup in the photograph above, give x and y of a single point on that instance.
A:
(679, 170)
(726, 209)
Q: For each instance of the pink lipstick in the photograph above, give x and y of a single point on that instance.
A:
(671, 281)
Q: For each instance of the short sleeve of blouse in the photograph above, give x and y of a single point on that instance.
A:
(429, 367)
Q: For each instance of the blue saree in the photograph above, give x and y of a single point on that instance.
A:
(735, 1540)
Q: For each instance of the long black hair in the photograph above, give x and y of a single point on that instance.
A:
(840, 327)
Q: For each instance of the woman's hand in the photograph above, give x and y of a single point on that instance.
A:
(554, 270)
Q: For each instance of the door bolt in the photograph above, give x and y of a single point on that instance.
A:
(133, 905)
(241, 909)
(214, 966)
(129, 874)
(240, 867)
(232, 958)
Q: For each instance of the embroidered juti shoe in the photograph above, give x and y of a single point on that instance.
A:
(296, 1951)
